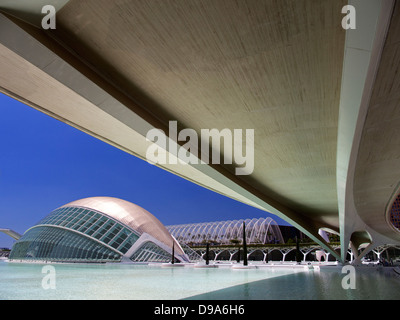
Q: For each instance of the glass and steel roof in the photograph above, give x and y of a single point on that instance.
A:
(93, 224)
(261, 230)
(131, 215)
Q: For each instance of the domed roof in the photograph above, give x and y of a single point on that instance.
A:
(129, 214)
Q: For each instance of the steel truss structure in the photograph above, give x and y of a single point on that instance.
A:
(261, 230)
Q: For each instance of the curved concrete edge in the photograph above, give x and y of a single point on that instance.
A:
(363, 49)
(13, 234)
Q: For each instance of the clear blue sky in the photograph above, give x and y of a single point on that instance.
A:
(45, 164)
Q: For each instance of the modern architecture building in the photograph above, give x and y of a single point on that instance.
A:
(98, 229)
(317, 81)
(258, 231)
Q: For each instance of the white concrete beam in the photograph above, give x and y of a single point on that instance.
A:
(363, 49)
(13, 234)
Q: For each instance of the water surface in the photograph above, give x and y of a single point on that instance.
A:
(126, 281)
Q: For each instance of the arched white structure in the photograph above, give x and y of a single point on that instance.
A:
(262, 230)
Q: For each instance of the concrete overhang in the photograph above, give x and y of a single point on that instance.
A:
(287, 69)
(30, 11)
(13, 234)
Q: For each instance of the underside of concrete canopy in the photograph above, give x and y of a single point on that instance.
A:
(323, 102)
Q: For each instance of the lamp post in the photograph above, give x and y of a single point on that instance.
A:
(298, 255)
(173, 253)
(207, 253)
(244, 245)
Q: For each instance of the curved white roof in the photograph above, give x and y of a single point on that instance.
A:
(224, 231)
(131, 215)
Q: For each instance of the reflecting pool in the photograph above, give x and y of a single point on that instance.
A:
(126, 281)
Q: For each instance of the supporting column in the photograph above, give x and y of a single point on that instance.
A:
(265, 256)
(362, 56)
(366, 250)
(350, 252)
(284, 255)
(378, 254)
(356, 260)
(231, 254)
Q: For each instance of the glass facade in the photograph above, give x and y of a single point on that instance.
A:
(94, 224)
(60, 245)
(75, 234)
(81, 234)
(151, 252)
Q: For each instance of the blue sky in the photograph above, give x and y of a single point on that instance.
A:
(45, 164)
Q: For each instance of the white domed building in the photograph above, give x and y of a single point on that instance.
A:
(98, 229)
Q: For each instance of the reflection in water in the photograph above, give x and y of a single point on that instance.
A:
(323, 285)
(23, 281)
